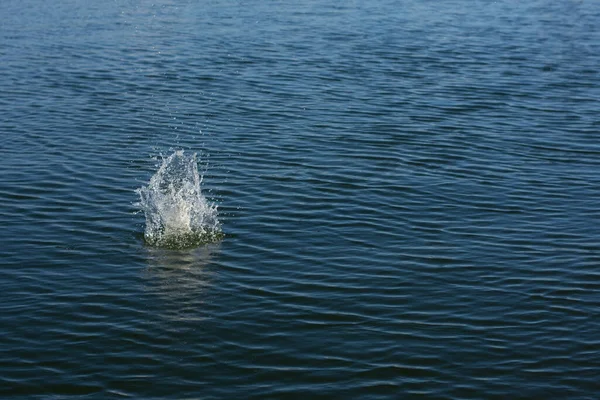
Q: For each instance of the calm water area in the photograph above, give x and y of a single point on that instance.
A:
(408, 194)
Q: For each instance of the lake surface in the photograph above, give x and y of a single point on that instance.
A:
(409, 194)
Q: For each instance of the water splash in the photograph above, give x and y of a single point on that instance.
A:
(177, 214)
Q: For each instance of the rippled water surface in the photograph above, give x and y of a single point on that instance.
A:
(409, 194)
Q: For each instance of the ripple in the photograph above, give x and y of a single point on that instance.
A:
(409, 196)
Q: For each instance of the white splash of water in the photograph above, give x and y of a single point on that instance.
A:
(177, 214)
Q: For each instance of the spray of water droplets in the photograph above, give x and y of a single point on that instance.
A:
(177, 214)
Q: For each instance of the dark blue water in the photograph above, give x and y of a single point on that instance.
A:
(409, 194)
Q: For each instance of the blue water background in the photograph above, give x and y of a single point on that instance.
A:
(409, 192)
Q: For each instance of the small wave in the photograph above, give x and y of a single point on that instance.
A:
(177, 214)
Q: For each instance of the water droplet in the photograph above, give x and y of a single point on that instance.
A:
(177, 214)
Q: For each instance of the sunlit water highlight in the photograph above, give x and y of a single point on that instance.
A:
(177, 213)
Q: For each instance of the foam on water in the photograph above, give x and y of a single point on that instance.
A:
(177, 214)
